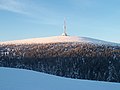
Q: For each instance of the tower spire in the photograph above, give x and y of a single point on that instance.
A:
(64, 28)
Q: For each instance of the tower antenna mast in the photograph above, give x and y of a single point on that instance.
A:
(64, 28)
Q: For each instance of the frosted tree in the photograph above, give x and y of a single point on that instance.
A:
(112, 74)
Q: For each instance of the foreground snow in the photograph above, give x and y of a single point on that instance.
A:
(16, 79)
(55, 39)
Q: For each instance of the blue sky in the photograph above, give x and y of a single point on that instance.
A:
(22, 19)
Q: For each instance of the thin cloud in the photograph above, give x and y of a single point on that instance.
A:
(28, 7)
(36, 12)
(13, 6)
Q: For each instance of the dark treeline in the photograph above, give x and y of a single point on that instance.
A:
(73, 60)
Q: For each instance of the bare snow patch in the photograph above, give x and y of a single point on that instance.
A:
(16, 79)
(56, 39)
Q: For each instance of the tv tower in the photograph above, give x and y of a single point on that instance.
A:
(64, 28)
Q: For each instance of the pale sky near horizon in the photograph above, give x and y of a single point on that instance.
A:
(22, 19)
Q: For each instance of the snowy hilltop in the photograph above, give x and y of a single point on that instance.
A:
(58, 39)
(67, 59)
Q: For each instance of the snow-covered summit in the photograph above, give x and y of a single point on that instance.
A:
(55, 39)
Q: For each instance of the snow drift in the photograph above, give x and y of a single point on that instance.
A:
(16, 79)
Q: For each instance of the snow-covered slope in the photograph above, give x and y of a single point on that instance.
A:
(55, 39)
(16, 79)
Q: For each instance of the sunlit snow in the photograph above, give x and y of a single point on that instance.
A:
(55, 39)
